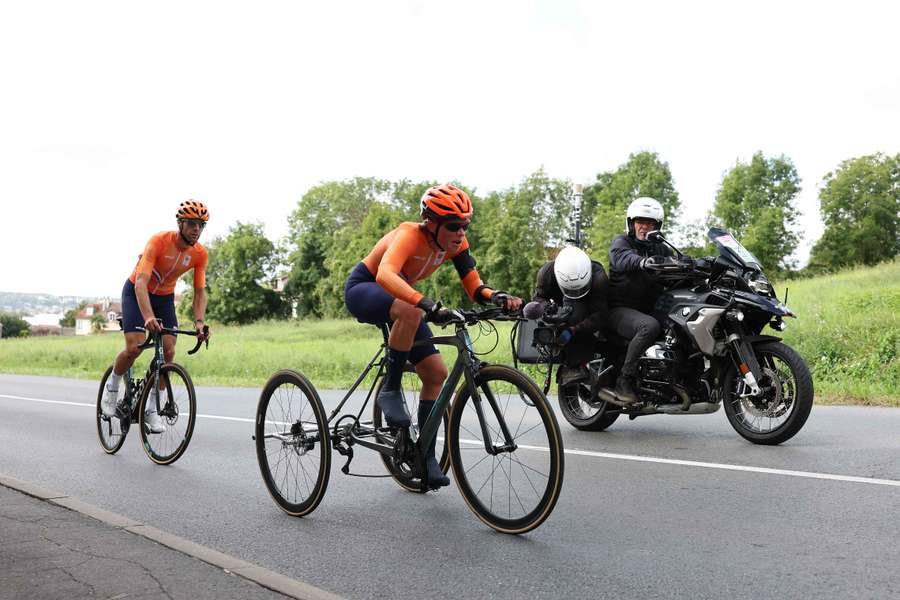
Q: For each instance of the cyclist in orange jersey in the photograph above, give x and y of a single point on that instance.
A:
(380, 290)
(149, 294)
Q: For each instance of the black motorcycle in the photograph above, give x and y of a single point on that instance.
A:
(712, 352)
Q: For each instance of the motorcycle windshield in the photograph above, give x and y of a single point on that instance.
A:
(730, 247)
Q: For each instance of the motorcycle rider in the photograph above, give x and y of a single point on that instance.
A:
(633, 289)
(580, 287)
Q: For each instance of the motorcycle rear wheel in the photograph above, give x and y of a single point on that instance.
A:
(581, 414)
(785, 403)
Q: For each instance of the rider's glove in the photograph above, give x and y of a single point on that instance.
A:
(685, 262)
(650, 262)
(564, 337)
(500, 299)
(435, 314)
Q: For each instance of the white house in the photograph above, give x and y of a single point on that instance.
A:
(110, 310)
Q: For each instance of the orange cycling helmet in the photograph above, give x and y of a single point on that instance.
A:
(444, 202)
(191, 209)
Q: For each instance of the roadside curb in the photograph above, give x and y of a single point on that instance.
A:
(230, 564)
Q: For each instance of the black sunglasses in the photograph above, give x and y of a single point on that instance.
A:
(193, 222)
(454, 227)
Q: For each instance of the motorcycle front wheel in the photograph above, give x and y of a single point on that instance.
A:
(781, 410)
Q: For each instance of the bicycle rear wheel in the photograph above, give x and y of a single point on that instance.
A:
(177, 409)
(411, 386)
(109, 429)
(292, 443)
(511, 491)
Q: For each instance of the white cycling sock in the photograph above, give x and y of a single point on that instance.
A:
(112, 384)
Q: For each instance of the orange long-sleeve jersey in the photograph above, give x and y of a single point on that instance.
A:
(163, 262)
(406, 255)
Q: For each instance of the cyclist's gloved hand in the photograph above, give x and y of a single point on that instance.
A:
(435, 314)
(153, 325)
(505, 301)
(564, 337)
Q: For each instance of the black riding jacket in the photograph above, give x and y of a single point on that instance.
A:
(631, 286)
(591, 311)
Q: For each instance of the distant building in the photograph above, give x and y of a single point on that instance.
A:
(42, 330)
(110, 310)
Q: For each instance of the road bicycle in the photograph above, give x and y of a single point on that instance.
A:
(500, 435)
(165, 385)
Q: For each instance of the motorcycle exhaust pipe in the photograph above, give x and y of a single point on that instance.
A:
(697, 408)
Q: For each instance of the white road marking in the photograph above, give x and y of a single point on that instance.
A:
(591, 453)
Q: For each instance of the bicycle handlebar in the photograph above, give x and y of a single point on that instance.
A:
(471, 317)
(151, 337)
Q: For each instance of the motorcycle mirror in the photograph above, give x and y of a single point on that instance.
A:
(655, 237)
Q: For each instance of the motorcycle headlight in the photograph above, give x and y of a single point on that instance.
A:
(760, 286)
(778, 324)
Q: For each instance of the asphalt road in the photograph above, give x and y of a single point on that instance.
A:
(659, 507)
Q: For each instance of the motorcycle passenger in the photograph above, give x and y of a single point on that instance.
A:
(580, 287)
(633, 290)
(380, 290)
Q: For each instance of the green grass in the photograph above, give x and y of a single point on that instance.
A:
(848, 330)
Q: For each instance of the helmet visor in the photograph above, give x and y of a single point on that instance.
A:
(579, 292)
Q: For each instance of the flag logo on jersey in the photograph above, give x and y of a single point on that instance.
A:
(187, 260)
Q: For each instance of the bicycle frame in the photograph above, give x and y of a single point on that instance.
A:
(154, 340)
(466, 365)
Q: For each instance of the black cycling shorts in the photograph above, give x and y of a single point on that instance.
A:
(370, 303)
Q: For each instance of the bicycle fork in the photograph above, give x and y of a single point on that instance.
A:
(509, 445)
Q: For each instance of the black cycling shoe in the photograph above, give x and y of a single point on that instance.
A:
(436, 477)
(392, 407)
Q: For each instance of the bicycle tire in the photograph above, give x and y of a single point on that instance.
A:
(167, 447)
(109, 429)
(538, 439)
(402, 476)
(279, 395)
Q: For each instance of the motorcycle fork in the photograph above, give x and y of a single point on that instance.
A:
(745, 360)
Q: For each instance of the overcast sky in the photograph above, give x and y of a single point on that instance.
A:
(111, 113)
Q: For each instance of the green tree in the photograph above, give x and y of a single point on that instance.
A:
(755, 202)
(14, 325)
(860, 205)
(352, 244)
(319, 215)
(607, 199)
(68, 319)
(240, 267)
(523, 225)
(98, 322)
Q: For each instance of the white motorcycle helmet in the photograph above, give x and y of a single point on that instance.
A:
(644, 208)
(572, 268)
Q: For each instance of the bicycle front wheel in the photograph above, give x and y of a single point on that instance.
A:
(511, 490)
(177, 410)
(109, 429)
(292, 444)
